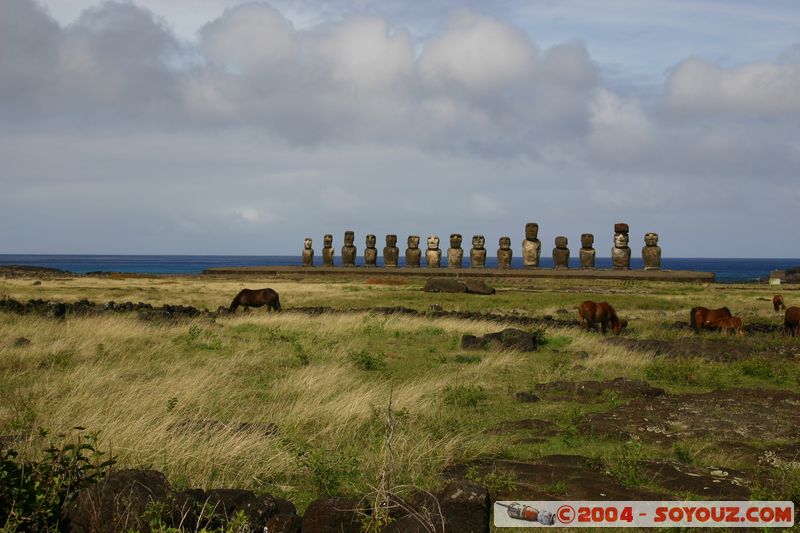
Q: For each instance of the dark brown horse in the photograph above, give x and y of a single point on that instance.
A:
(777, 302)
(698, 316)
(791, 321)
(733, 323)
(602, 313)
(256, 298)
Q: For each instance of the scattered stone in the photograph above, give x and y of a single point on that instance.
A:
(508, 339)
(21, 341)
(228, 502)
(588, 391)
(35, 283)
(118, 503)
(284, 523)
(465, 507)
(332, 515)
(576, 477)
(444, 285)
(526, 397)
(712, 484)
(477, 286)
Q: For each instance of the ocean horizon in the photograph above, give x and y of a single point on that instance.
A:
(727, 270)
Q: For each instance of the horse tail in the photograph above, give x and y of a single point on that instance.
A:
(235, 303)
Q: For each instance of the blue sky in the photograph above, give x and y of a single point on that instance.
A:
(215, 126)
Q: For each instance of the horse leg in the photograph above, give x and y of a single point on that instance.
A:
(604, 326)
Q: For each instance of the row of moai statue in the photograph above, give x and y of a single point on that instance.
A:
(531, 251)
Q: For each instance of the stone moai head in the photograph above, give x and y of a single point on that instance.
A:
(531, 231)
(349, 238)
(307, 243)
(413, 241)
(371, 240)
(391, 241)
(433, 242)
(327, 240)
(505, 243)
(621, 235)
(587, 240)
(478, 241)
(561, 241)
(455, 240)
(651, 239)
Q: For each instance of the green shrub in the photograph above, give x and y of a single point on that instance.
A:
(33, 493)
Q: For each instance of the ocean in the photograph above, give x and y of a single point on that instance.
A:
(726, 270)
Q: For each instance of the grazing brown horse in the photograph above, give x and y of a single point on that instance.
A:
(777, 302)
(791, 321)
(733, 323)
(256, 298)
(699, 316)
(602, 313)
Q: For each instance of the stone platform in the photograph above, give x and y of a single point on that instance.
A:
(514, 273)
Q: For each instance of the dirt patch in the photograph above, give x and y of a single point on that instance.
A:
(731, 415)
(590, 391)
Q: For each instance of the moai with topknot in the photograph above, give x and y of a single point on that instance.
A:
(391, 252)
(349, 249)
(477, 255)
(455, 254)
(621, 252)
(433, 255)
(308, 253)
(587, 252)
(413, 252)
(327, 250)
(504, 253)
(561, 253)
(371, 252)
(651, 253)
(531, 246)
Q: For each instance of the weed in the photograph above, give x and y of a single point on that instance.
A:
(464, 395)
(557, 488)
(682, 453)
(329, 470)
(368, 361)
(559, 341)
(495, 481)
(171, 403)
(433, 330)
(624, 465)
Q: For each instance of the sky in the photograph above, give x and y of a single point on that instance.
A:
(228, 127)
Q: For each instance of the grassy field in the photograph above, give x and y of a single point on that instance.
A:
(297, 405)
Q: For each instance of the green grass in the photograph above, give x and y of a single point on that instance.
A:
(325, 381)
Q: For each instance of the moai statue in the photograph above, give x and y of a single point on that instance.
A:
(621, 252)
(349, 249)
(651, 253)
(413, 252)
(391, 252)
(370, 252)
(531, 246)
(308, 253)
(477, 256)
(561, 253)
(327, 250)
(455, 255)
(504, 253)
(433, 255)
(587, 252)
